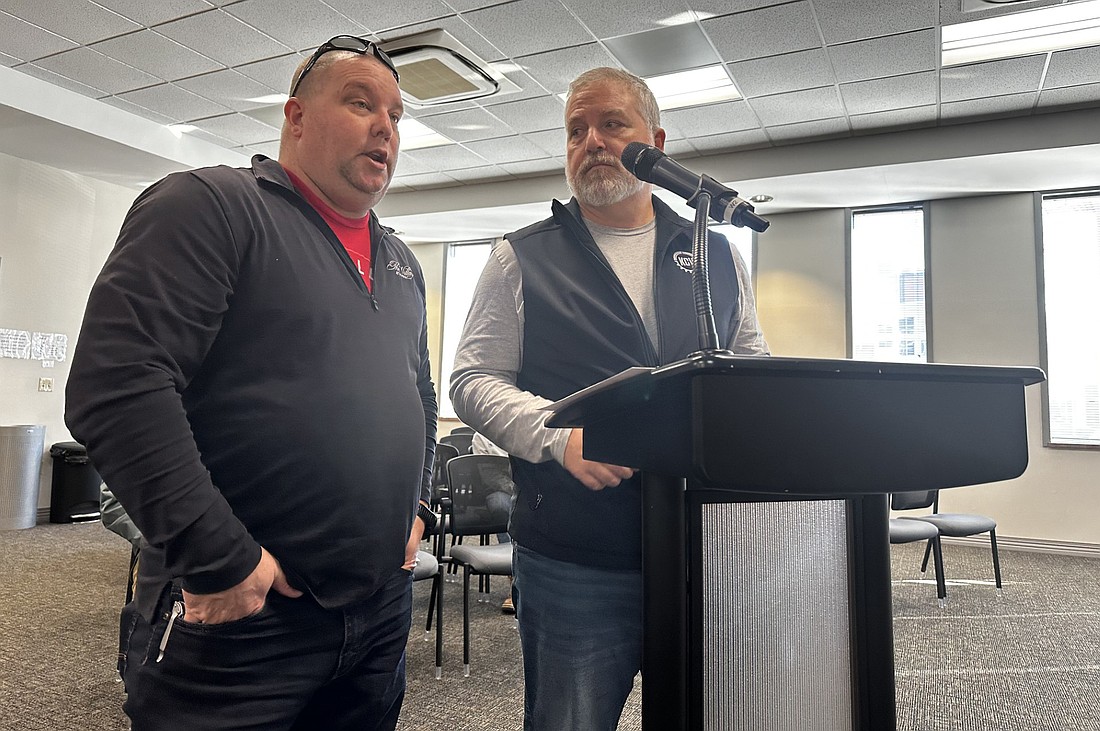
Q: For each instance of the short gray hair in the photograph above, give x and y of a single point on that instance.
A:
(647, 103)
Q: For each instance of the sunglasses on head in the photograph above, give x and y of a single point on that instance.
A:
(345, 43)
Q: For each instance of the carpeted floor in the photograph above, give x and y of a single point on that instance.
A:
(1025, 660)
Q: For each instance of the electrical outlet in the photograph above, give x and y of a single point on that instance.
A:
(45, 385)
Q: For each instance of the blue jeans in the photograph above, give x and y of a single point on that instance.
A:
(580, 630)
(293, 665)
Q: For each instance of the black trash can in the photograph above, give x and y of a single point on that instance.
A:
(74, 494)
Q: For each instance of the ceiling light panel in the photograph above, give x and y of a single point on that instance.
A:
(1052, 28)
(415, 135)
(706, 85)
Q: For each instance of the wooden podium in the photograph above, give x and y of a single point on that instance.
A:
(765, 521)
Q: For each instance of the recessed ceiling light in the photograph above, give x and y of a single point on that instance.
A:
(1053, 28)
(415, 135)
(705, 85)
(761, 198)
(685, 17)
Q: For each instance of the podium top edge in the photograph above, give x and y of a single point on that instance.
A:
(566, 412)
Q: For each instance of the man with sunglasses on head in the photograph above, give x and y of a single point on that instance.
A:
(252, 379)
(600, 286)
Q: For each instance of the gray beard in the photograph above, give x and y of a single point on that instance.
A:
(604, 190)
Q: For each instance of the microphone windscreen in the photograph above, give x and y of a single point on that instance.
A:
(639, 158)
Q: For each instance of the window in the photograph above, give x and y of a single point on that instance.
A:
(1070, 271)
(739, 237)
(887, 274)
(461, 272)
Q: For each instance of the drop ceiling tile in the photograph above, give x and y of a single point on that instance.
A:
(480, 174)
(679, 148)
(798, 106)
(242, 129)
(550, 140)
(452, 157)
(428, 180)
(850, 20)
(529, 88)
(777, 74)
(433, 110)
(468, 125)
(895, 92)
(664, 50)
(78, 20)
(1071, 68)
(1070, 96)
(532, 115)
(298, 24)
(234, 90)
(768, 31)
(218, 35)
(808, 131)
(535, 167)
(998, 106)
(464, 5)
(269, 114)
(273, 72)
(744, 140)
(385, 16)
(212, 139)
(712, 119)
(607, 19)
(409, 164)
(992, 78)
(28, 42)
(895, 119)
(123, 104)
(267, 149)
(6, 60)
(507, 149)
(151, 52)
(711, 8)
(905, 53)
(150, 13)
(64, 82)
(555, 69)
(174, 102)
(98, 71)
(528, 26)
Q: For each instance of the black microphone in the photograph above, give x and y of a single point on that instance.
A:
(648, 163)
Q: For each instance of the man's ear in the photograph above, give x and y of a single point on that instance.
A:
(659, 139)
(292, 111)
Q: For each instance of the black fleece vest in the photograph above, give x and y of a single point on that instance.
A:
(580, 327)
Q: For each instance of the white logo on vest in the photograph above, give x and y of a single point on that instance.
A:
(402, 270)
(683, 260)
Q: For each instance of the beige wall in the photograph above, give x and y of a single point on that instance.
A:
(984, 311)
(57, 230)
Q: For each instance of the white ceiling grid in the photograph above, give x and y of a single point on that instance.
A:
(809, 69)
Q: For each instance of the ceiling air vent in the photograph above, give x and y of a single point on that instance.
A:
(435, 69)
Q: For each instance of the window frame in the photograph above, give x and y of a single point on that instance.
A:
(444, 380)
(1041, 294)
(850, 213)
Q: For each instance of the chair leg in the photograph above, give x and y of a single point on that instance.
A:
(996, 557)
(431, 606)
(438, 582)
(924, 561)
(466, 622)
(937, 562)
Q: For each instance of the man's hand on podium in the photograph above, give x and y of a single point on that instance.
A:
(593, 475)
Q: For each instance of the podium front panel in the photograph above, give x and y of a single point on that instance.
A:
(774, 634)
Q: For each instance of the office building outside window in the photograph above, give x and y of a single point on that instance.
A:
(1070, 309)
(888, 317)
